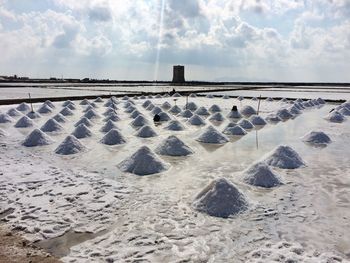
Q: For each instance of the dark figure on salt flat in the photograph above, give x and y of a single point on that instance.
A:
(234, 108)
(156, 118)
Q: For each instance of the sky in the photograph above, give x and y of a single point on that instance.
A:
(216, 40)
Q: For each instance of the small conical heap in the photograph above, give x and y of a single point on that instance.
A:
(134, 114)
(112, 117)
(5, 118)
(23, 107)
(60, 118)
(51, 126)
(66, 112)
(234, 114)
(173, 146)
(210, 96)
(44, 109)
(146, 132)
(196, 120)
(217, 117)
(89, 107)
(163, 116)
(284, 114)
(146, 103)
(214, 108)
(24, 122)
(50, 104)
(284, 157)
(202, 111)
(70, 145)
(91, 114)
(335, 117)
(220, 198)
(150, 107)
(245, 124)
(139, 121)
(85, 102)
(109, 125)
(113, 137)
(186, 114)
(260, 174)
(14, 113)
(175, 109)
(166, 105)
(156, 110)
(71, 106)
(211, 135)
(37, 138)
(67, 102)
(174, 125)
(248, 111)
(273, 118)
(81, 131)
(257, 120)
(234, 129)
(84, 121)
(190, 106)
(130, 109)
(33, 115)
(143, 162)
(98, 100)
(317, 137)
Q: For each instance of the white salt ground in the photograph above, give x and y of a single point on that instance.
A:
(212, 135)
(24, 122)
(220, 198)
(37, 138)
(70, 145)
(3, 133)
(260, 174)
(146, 132)
(284, 157)
(51, 126)
(173, 146)
(113, 137)
(174, 125)
(316, 137)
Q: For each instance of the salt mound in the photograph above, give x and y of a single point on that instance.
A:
(113, 137)
(254, 99)
(81, 131)
(240, 98)
(284, 114)
(150, 107)
(166, 95)
(98, 100)
(336, 117)
(85, 102)
(209, 96)
(190, 106)
(176, 95)
(317, 137)
(13, 112)
(234, 130)
(248, 111)
(110, 103)
(71, 107)
(112, 117)
(135, 113)
(344, 111)
(84, 121)
(257, 120)
(193, 95)
(299, 100)
(23, 107)
(146, 103)
(225, 97)
(92, 114)
(163, 116)
(284, 100)
(2, 133)
(5, 118)
(88, 108)
(173, 146)
(142, 97)
(214, 108)
(186, 114)
(196, 120)
(24, 122)
(269, 99)
(66, 112)
(158, 96)
(37, 138)
(50, 104)
(175, 109)
(125, 98)
(245, 124)
(108, 126)
(220, 198)
(294, 110)
(51, 126)
(146, 132)
(143, 162)
(33, 115)
(174, 125)
(93, 104)
(139, 121)
(217, 117)
(211, 135)
(156, 110)
(135, 98)
(150, 96)
(202, 111)
(45, 109)
(260, 174)
(307, 104)
(273, 118)
(130, 109)
(70, 145)
(234, 115)
(166, 105)
(67, 102)
(284, 157)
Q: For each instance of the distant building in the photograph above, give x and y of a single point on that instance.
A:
(179, 74)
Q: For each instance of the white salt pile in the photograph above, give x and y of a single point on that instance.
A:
(294, 110)
(50, 104)
(130, 109)
(89, 107)
(158, 96)
(284, 100)
(217, 117)
(336, 117)
(33, 115)
(92, 114)
(193, 95)
(139, 121)
(166, 105)
(156, 110)
(284, 157)
(5, 118)
(209, 96)
(211, 135)
(234, 129)
(254, 98)
(150, 96)
(113, 137)
(273, 118)
(109, 125)
(109, 111)
(150, 107)
(260, 174)
(321, 101)
(81, 131)
(166, 95)
(110, 103)
(174, 125)
(317, 137)
(202, 111)
(214, 108)
(125, 98)
(66, 112)
(344, 111)
(240, 98)
(176, 95)
(98, 100)
(24, 122)
(225, 97)
(269, 99)
(196, 120)
(257, 120)
(135, 98)
(3, 133)
(234, 115)
(163, 116)
(13, 112)
(186, 114)
(143, 162)
(299, 100)
(298, 105)
(60, 118)
(248, 111)
(135, 113)
(84, 121)
(93, 104)
(70, 145)
(67, 102)
(52, 126)
(146, 132)
(284, 114)
(112, 117)
(173, 146)
(307, 104)
(220, 198)
(175, 109)
(85, 102)
(190, 106)
(37, 138)
(245, 124)
(23, 107)
(71, 107)
(45, 109)
(142, 97)
(146, 103)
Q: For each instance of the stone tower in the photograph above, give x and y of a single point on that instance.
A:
(179, 74)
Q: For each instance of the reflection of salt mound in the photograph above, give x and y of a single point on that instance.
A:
(24, 122)
(284, 114)
(50, 104)
(45, 109)
(163, 116)
(13, 112)
(214, 108)
(173, 146)
(336, 117)
(70, 145)
(33, 115)
(202, 111)
(92, 114)
(217, 117)
(98, 100)
(245, 124)
(190, 106)
(51, 126)
(146, 103)
(23, 107)
(186, 114)
(66, 112)
(175, 109)
(196, 120)
(257, 120)
(112, 117)
(108, 126)
(143, 162)
(5, 118)
(166, 105)
(273, 118)
(234, 129)
(220, 198)
(146, 132)
(211, 135)
(37, 138)
(113, 137)
(248, 111)
(240, 98)
(81, 131)
(284, 157)
(85, 102)
(84, 121)
(174, 126)
(234, 115)
(315, 137)
(260, 174)
(139, 121)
